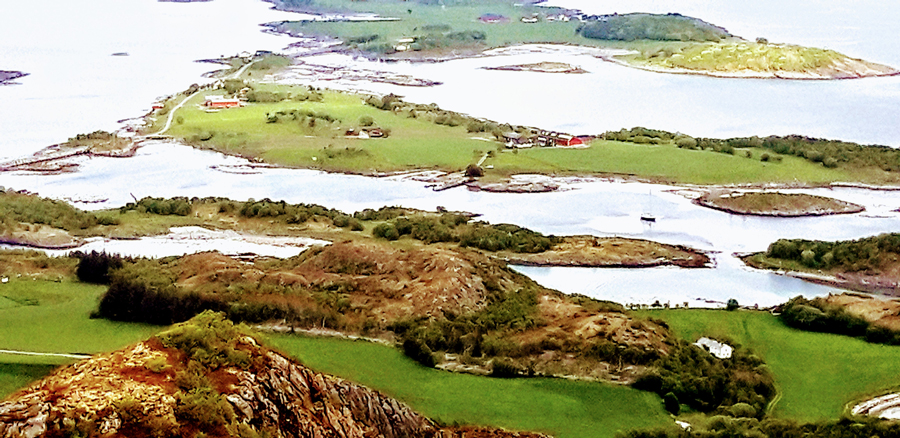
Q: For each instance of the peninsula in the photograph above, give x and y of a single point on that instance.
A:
(670, 43)
(6, 77)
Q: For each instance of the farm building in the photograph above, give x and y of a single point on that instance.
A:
(568, 140)
(493, 18)
(221, 102)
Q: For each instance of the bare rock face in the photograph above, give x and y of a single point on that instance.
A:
(214, 378)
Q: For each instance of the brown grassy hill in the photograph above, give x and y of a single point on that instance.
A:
(448, 306)
(209, 378)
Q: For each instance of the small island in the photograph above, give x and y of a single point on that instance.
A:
(7, 77)
(776, 204)
(609, 252)
(542, 67)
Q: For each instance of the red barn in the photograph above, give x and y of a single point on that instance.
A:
(221, 102)
(568, 140)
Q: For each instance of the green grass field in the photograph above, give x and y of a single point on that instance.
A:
(817, 374)
(419, 144)
(51, 317)
(745, 56)
(560, 407)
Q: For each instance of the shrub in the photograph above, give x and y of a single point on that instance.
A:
(670, 401)
(366, 121)
(474, 171)
(732, 304)
(96, 266)
(742, 410)
(504, 368)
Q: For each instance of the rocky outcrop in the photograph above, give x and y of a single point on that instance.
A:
(152, 389)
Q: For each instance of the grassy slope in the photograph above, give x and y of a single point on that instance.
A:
(560, 407)
(817, 374)
(418, 144)
(745, 56)
(50, 317)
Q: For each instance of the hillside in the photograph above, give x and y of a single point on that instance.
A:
(448, 307)
(209, 378)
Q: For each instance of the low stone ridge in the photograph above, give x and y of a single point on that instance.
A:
(141, 391)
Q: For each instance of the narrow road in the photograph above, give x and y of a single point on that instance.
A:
(234, 75)
(34, 353)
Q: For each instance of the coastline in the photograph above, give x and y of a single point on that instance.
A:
(751, 74)
(876, 285)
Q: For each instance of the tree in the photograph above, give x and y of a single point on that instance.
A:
(366, 121)
(732, 304)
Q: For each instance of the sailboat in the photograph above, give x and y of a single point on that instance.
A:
(647, 215)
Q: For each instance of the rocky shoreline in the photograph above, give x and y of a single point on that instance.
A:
(785, 205)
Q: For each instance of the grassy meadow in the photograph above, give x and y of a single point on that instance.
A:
(562, 408)
(53, 317)
(817, 374)
(417, 143)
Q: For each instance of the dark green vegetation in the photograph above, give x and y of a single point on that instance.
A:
(669, 27)
(450, 227)
(692, 376)
(878, 254)
(562, 408)
(818, 315)
(829, 153)
(816, 374)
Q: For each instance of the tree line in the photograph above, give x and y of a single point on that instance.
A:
(829, 153)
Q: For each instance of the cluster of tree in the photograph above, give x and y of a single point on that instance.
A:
(301, 116)
(830, 153)
(290, 213)
(450, 227)
(640, 26)
(18, 208)
(870, 253)
(692, 376)
(94, 267)
(722, 426)
(819, 315)
(178, 206)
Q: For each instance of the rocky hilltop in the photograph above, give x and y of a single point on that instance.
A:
(207, 377)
